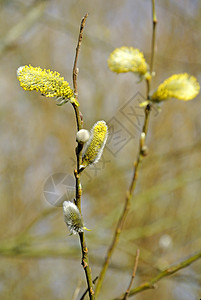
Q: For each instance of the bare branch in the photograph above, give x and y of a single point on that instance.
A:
(137, 164)
(151, 284)
(154, 22)
(85, 259)
(75, 68)
(75, 72)
(133, 274)
(94, 281)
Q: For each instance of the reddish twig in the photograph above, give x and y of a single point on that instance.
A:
(85, 259)
(75, 73)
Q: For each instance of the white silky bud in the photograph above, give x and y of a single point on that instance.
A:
(72, 217)
(82, 136)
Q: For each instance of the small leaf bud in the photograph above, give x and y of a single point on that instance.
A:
(144, 151)
(142, 139)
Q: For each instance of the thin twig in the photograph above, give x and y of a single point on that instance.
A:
(124, 213)
(153, 43)
(94, 281)
(133, 275)
(77, 113)
(85, 259)
(85, 264)
(137, 164)
(75, 68)
(75, 72)
(151, 284)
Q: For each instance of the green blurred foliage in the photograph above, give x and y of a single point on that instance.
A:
(37, 139)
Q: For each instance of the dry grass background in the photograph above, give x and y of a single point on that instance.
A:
(37, 139)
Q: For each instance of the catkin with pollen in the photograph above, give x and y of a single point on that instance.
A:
(95, 145)
(49, 83)
(179, 86)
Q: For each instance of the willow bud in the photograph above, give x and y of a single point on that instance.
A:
(82, 136)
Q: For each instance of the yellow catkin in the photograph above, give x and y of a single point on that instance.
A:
(95, 145)
(179, 86)
(127, 59)
(49, 83)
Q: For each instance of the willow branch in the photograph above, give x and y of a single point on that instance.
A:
(133, 275)
(77, 112)
(141, 154)
(154, 22)
(85, 264)
(151, 284)
(83, 296)
(124, 213)
(85, 259)
(75, 72)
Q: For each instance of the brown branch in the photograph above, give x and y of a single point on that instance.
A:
(151, 284)
(85, 264)
(124, 213)
(75, 68)
(154, 22)
(133, 275)
(94, 281)
(141, 154)
(78, 115)
(75, 72)
(85, 258)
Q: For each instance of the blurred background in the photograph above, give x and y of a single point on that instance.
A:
(38, 258)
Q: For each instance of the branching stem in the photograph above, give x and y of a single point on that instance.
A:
(85, 258)
(133, 275)
(137, 164)
(124, 213)
(94, 281)
(75, 68)
(75, 73)
(153, 43)
(151, 284)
